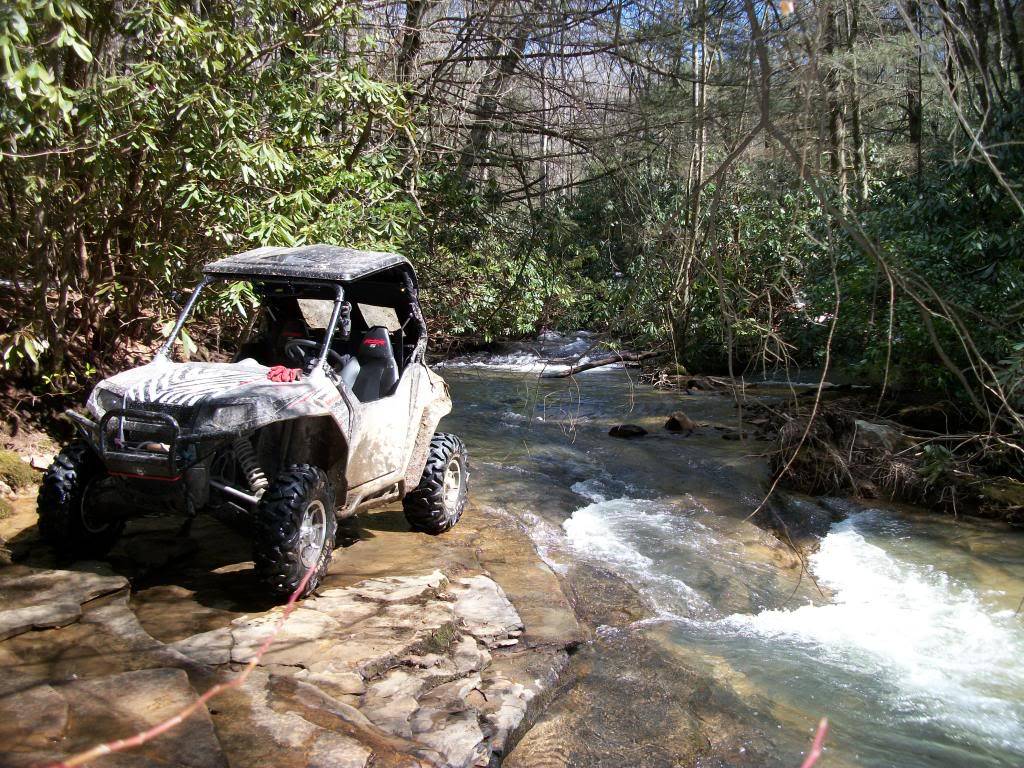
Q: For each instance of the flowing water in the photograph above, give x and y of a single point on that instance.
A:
(911, 641)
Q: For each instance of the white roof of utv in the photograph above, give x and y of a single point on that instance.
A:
(315, 262)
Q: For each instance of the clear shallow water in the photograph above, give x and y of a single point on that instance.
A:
(912, 645)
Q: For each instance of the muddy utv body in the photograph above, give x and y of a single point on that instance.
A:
(327, 408)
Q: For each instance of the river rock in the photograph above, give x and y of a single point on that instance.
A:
(392, 700)
(800, 521)
(878, 437)
(305, 635)
(600, 596)
(335, 750)
(33, 715)
(399, 589)
(429, 667)
(79, 713)
(680, 422)
(86, 581)
(47, 616)
(35, 599)
(457, 736)
(485, 611)
(213, 647)
(404, 658)
(686, 719)
(627, 431)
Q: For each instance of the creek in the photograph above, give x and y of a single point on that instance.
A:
(904, 630)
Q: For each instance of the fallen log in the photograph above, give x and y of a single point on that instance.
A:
(617, 357)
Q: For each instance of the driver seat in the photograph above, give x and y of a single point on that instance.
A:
(376, 372)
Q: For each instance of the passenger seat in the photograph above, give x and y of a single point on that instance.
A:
(373, 372)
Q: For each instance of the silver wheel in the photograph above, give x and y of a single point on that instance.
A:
(452, 483)
(312, 533)
(436, 504)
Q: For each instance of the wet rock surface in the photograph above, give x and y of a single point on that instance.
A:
(803, 521)
(411, 654)
(687, 717)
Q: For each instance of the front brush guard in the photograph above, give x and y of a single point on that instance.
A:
(145, 427)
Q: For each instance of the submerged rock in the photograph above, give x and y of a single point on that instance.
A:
(627, 431)
(799, 521)
(675, 715)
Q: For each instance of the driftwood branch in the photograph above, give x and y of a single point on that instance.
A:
(617, 357)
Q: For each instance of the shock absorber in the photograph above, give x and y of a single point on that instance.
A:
(246, 456)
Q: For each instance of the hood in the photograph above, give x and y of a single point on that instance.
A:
(208, 398)
(188, 384)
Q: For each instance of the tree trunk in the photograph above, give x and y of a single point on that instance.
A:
(860, 154)
(834, 103)
(914, 111)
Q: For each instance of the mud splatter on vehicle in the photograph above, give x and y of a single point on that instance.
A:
(328, 408)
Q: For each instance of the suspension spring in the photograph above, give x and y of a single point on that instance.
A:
(246, 456)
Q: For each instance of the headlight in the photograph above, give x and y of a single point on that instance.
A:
(231, 416)
(103, 400)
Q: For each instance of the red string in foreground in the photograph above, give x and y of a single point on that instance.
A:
(161, 728)
(818, 745)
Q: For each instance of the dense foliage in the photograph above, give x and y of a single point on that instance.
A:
(741, 187)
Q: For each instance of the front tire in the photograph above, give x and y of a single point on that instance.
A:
(437, 502)
(295, 526)
(66, 508)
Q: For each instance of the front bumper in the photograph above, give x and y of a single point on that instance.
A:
(138, 443)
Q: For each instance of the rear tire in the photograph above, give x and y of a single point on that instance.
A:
(66, 511)
(437, 502)
(295, 526)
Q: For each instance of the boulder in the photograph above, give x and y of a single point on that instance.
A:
(680, 422)
(627, 431)
(691, 719)
(878, 437)
(802, 521)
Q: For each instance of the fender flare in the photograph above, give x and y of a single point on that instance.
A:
(437, 409)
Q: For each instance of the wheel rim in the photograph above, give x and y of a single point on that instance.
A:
(312, 533)
(90, 522)
(452, 483)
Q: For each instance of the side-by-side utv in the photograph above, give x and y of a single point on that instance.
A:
(328, 408)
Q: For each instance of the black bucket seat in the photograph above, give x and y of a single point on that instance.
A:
(375, 370)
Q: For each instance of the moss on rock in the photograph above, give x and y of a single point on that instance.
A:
(15, 472)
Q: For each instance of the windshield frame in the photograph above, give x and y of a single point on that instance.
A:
(320, 361)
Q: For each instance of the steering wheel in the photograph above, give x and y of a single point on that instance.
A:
(295, 350)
